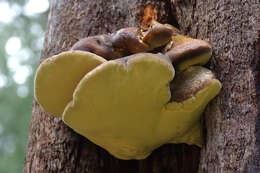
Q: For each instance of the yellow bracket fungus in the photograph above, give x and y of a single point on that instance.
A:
(130, 105)
(127, 110)
(57, 77)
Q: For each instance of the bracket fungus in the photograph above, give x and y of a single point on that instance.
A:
(184, 51)
(127, 100)
(57, 77)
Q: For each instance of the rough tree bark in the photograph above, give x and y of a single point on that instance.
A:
(232, 133)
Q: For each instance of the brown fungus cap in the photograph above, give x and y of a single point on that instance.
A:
(57, 77)
(175, 31)
(129, 40)
(184, 52)
(123, 106)
(190, 81)
(157, 36)
(100, 45)
(134, 40)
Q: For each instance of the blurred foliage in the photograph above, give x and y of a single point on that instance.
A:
(21, 37)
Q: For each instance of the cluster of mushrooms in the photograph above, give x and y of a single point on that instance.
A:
(130, 91)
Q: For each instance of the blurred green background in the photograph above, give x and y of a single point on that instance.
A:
(22, 27)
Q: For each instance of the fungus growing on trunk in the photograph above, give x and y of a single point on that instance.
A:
(124, 105)
(130, 105)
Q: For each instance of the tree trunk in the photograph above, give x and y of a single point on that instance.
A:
(232, 123)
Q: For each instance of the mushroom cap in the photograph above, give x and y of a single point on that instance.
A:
(123, 106)
(100, 45)
(129, 40)
(57, 77)
(185, 52)
(132, 40)
(157, 36)
(174, 30)
(191, 89)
